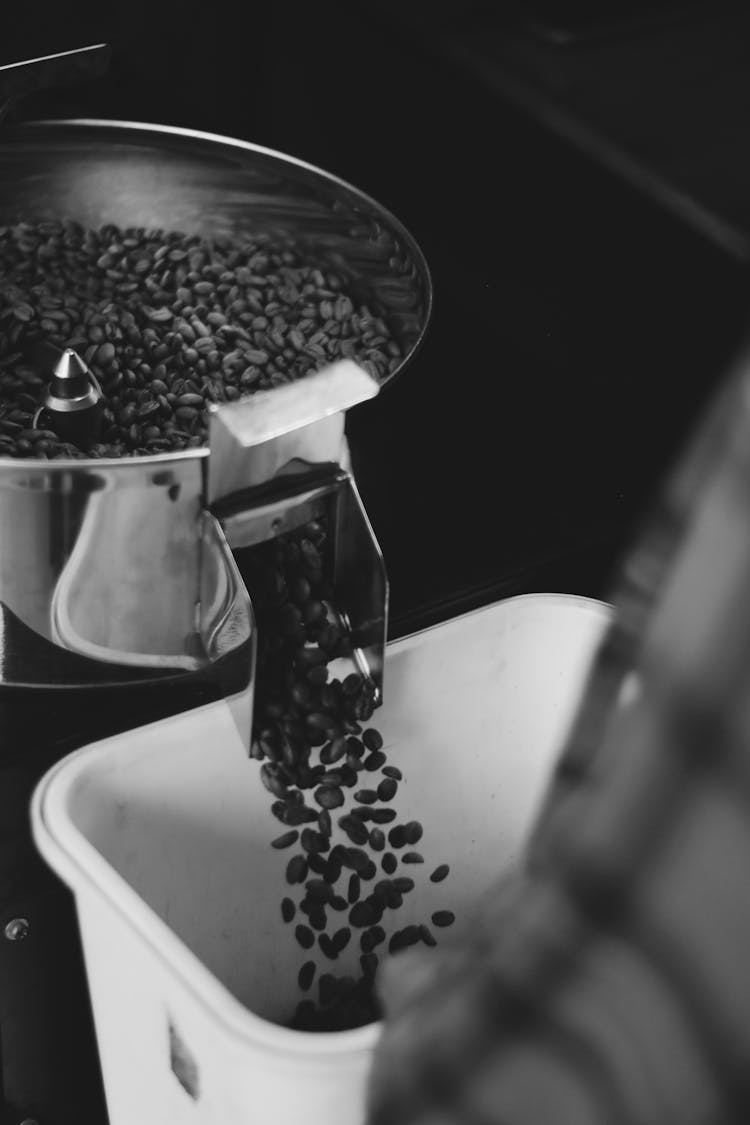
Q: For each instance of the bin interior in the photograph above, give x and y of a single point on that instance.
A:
(475, 712)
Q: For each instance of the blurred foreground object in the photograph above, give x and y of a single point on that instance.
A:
(611, 983)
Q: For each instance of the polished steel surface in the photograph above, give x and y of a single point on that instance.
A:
(104, 562)
(109, 560)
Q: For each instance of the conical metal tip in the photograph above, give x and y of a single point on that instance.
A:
(71, 378)
(73, 404)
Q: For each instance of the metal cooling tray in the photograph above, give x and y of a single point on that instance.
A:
(146, 175)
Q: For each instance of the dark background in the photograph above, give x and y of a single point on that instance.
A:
(578, 178)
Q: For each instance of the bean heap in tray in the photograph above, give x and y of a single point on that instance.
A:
(168, 322)
(347, 868)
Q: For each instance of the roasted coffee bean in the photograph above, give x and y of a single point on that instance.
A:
(354, 747)
(273, 779)
(387, 789)
(389, 863)
(286, 840)
(296, 869)
(380, 891)
(288, 909)
(377, 935)
(304, 936)
(443, 918)
(318, 890)
(410, 935)
(368, 870)
(358, 861)
(439, 873)
(133, 302)
(279, 809)
(427, 935)
(329, 796)
(317, 863)
(317, 917)
(306, 975)
(286, 699)
(382, 816)
(413, 857)
(300, 814)
(366, 943)
(373, 739)
(332, 869)
(396, 942)
(318, 720)
(334, 751)
(348, 776)
(413, 832)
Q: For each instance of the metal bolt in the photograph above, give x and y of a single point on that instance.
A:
(16, 930)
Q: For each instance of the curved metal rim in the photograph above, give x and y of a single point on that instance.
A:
(243, 146)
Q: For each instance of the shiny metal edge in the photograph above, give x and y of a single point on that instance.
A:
(248, 146)
(14, 466)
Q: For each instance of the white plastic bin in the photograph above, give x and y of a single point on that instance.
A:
(163, 834)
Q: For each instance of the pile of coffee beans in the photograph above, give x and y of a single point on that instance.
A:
(334, 790)
(168, 323)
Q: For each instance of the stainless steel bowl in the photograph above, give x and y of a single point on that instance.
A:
(108, 557)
